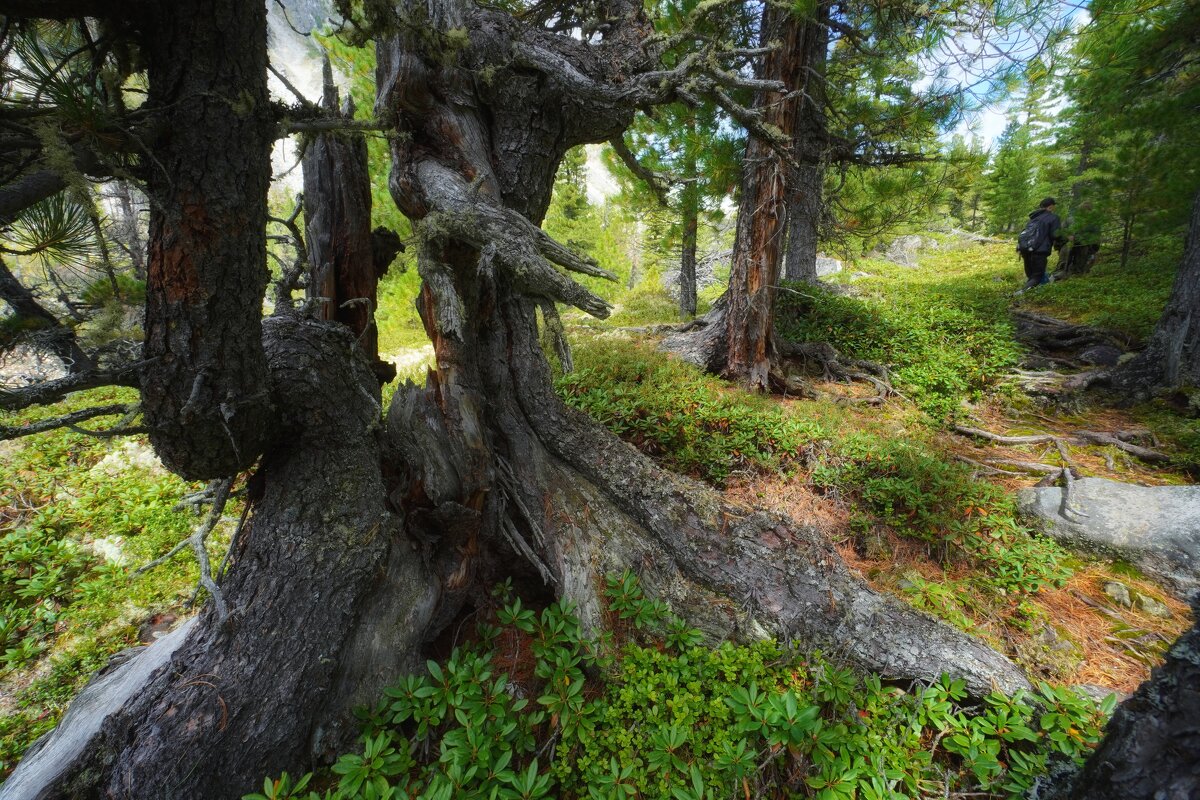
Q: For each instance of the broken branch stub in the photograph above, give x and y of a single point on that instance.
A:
(523, 252)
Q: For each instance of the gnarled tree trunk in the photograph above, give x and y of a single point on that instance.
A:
(369, 537)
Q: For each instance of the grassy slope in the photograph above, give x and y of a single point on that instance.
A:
(1124, 299)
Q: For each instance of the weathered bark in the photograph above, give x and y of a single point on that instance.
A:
(1151, 748)
(358, 553)
(1172, 357)
(206, 400)
(33, 318)
(806, 182)
(343, 273)
(329, 602)
(521, 480)
(762, 213)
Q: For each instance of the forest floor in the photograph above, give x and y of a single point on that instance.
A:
(945, 329)
(892, 485)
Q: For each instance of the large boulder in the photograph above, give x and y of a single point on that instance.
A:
(1156, 528)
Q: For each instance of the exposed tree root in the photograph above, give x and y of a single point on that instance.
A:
(1052, 335)
(1118, 440)
(1026, 466)
(703, 342)
(1115, 440)
(820, 358)
(364, 589)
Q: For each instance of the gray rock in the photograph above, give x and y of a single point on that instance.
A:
(1148, 605)
(827, 265)
(131, 455)
(904, 249)
(1119, 593)
(1156, 528)
(1052, 640)
(1101, 355)
(109, 548)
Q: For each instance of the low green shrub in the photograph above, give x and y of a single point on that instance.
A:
(61, 603)
(921, 495)
(679, 721)
(1127, 299)
(675, 412)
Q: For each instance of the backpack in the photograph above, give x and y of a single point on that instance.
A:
(1028, 239)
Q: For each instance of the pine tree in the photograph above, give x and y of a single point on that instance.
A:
(1010, 191)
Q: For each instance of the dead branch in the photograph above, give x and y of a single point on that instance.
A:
(656, 181)
(219, 490)
(1027, 466)
(979, 433)
(985, 469)
(290, 276)
(1144, 453)
(69, 421)
(13, 399)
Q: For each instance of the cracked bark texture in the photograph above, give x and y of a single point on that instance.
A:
(368, 539)
(205, 399)
(762, 214)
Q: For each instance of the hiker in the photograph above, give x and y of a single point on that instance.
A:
(1037, 241)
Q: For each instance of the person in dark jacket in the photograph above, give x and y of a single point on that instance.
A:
(1047, 224)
